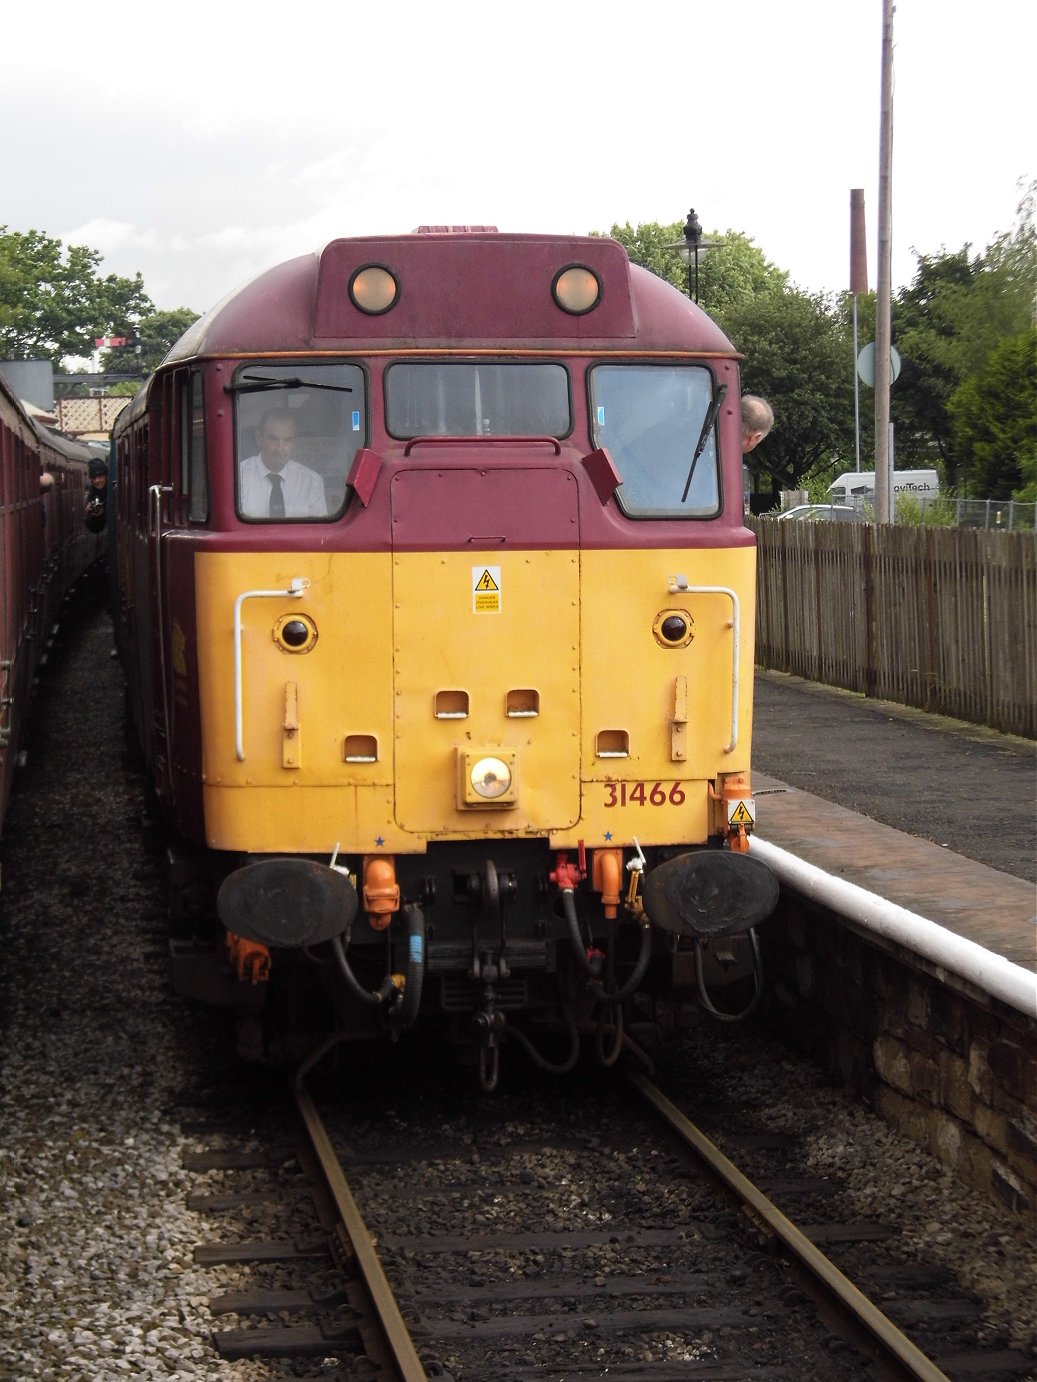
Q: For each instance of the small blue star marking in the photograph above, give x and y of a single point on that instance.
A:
(608, 834)
(380, 841)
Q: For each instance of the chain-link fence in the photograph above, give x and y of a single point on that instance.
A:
(1008, 514)
(937, 511)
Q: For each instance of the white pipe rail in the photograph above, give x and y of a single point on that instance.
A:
(995, 975)
(298, 585)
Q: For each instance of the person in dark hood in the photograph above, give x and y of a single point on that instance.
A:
(97, 497)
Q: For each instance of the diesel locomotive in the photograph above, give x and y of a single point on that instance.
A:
(436, 605)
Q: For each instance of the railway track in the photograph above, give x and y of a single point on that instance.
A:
(557, 1234)
(97, 1271)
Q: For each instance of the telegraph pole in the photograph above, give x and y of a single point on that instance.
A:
(883, 333)
(858, 285)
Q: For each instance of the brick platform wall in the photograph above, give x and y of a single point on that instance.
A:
(950, 1067)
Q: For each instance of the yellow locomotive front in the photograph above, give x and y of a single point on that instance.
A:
(474, 723)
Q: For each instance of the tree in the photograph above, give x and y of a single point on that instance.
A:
(731, 272)
(799, 356)
(156, 333)
(647, 246)
(52, 301)
(958, 311)
(965, 396)
(734, 274)
(798, 352)
(925, 328)
(994, 416)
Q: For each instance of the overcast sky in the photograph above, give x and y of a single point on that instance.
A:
(199, 145)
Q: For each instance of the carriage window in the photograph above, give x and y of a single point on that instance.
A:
(298, 427)
(652, 419)
(484, 399)
(194, 481)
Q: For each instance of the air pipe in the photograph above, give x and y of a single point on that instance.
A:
(592, 966)
(406, 1011)
(373, 997)
(562, 1067)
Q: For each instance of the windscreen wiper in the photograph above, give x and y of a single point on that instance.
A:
(707, 423)
(255, 383)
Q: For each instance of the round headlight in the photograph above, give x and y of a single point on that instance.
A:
(490, 778)
(576, 289)
(673, 628)
(373, 289)
(295, 633)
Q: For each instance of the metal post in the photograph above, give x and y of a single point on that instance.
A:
(856, 392)
(883, 341)
(858, 285)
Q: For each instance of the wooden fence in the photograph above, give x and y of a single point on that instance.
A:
(944, 619)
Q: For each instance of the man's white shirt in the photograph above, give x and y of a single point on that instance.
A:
(302, 488)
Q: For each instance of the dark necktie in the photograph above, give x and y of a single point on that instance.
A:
(276, 496)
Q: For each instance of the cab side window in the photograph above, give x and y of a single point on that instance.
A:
(297, 429)
(657, 424)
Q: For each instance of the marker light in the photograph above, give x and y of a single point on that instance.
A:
(576, 289)
(373, 289)
(486, 777)
(490, 778)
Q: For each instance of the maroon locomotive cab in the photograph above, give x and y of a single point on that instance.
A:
(437, 604)
(183, 527)
(162, 512)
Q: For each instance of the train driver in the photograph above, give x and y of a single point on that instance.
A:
(274, 486)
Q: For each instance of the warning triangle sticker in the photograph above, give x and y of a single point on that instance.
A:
(486, 582)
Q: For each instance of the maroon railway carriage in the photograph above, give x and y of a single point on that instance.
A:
(45, 548)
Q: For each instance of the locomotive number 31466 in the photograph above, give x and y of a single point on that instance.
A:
(643, 794)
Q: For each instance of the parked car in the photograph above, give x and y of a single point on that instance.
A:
(824, 513)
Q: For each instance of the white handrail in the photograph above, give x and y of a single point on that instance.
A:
(298, 585)
(994, 974)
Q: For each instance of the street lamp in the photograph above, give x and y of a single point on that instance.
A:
(691, 249)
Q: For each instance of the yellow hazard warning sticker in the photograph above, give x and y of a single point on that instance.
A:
(486, 589)
(741, 811)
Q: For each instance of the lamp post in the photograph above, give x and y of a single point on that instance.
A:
(691, 249)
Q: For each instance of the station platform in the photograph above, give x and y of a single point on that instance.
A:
(935, 815)
(972, 900)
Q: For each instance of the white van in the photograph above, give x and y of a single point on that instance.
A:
(860, 484)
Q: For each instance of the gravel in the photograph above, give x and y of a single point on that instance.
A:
(884, 1176)
(96, 1271)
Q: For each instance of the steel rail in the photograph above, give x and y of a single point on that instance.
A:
(394, 1332)
(897, 1351)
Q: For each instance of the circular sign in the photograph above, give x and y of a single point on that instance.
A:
(866, 364)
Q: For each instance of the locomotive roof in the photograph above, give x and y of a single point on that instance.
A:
(496, 288)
